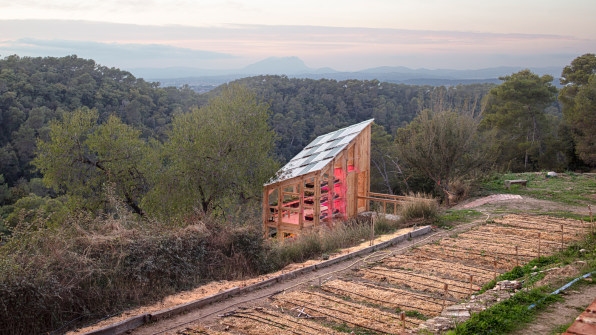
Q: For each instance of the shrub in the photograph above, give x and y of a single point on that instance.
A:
(88, 268)
(421, 207)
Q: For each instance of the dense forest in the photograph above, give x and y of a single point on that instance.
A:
(531, 132)
(35, 91)
(115, 191)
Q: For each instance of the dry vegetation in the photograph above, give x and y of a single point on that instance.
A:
(90, 268)
(420, 282)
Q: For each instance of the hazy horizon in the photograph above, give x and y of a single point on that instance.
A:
(343, 35)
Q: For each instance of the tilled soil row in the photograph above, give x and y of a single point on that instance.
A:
(413, 285)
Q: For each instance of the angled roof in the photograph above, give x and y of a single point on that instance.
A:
(319, 152)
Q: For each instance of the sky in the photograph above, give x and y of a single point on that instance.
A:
(346, 35)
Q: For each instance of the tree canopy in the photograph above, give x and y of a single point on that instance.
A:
(445, 146)
(579, 105)
(82, 157)
(516, 109)
(218, 154)
(34, 91)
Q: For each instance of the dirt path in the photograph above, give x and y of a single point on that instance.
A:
(562, 312)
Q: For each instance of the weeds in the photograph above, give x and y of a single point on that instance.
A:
(514, 313)
(64, 276)
(567, 188)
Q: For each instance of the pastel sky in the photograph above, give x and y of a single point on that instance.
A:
(346, 35)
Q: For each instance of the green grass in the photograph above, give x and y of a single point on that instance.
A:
(560, 329)
(506, 316)
(452, 216)
(567, 188)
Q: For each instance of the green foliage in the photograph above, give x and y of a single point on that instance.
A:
(516, 111)
(416, 314)
(33, 209)
(82, 157)
(217, 156)
(303, 109)
(579, 104)
(445, 146)
(505, 316)
(345, 328)
(35, 91)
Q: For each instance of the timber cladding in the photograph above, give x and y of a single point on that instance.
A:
(327, 182)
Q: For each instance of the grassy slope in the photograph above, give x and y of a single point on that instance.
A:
(569, 189)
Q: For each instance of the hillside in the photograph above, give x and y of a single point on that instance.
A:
(473, 237)
(35, 91)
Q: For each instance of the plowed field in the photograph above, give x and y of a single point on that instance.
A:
(420, 282)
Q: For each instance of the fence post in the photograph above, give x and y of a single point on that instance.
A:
(372, 228)
(562, 241)
(538, 245)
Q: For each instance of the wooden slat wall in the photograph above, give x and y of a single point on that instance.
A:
(357, 153)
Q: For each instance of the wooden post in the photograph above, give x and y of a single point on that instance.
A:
(446, 289)
(280, 212)
(372, 228)
(317, 203)
(591, 219)
(516, 257)
(562, 241)
(471, 283)
(402, 317)
(266, 212)
(538, 245)
(495, 267)
(301, 190)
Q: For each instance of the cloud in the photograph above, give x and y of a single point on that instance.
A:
(124, 55)
(235, 46)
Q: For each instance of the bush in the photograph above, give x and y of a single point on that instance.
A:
(422, 207)
(89, 268)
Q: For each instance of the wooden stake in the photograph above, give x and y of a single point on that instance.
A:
(591, 219)
(495, 267)
(372, 229)
(562, 241)
(445, 287)
(538, 245)
(516, 257)
(402, 317)
(471, 283)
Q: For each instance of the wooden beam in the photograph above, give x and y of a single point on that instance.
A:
(301, 205)
(266, 212)
(279, 212)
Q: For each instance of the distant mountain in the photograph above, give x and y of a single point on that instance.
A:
(295, 67)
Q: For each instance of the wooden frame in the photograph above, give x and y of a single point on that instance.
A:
(335, 192)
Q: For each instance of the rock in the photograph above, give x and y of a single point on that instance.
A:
(508, 285)
(438, 324)
(458, 311)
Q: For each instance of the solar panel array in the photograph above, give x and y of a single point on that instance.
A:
(319, 152)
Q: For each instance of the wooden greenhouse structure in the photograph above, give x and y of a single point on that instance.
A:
(327, 181)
